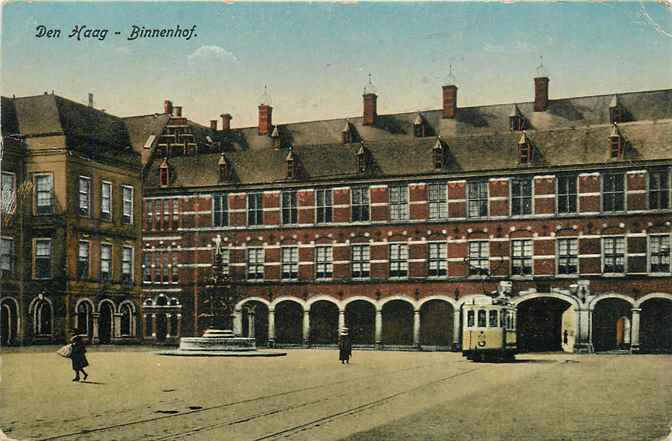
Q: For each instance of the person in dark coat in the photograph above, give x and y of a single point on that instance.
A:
(344, 346)
(78, 355)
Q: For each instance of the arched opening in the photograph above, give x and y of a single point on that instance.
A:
(127, 318)
(9, 323)
(105, 323)
(397, 323)
(42, 319)
(85, 319)
(323, 323)
(161, 326)
(255, 321)
(540, 324)
(655, 335)
(288, 322)
(360, 318)
(436, 324)
(609, 320)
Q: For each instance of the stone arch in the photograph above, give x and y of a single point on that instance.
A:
(655, 323)
(397, 315)
(360, 319)
(241, 303)
(556, 295)
(363, 298)
(323, 298)
(288, 320)
(546, 321)
(612, 295)
(445, 298)
(324, 319)
(113, 306)
(10, 321)
(106, 311)
(281, 299)
(254, 318)
(414, 303)
(41, 311)
(84, 322)
(437, 314)
(653, 295)
(610, 312)
(128, 312)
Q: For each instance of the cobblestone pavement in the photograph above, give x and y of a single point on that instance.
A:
(134, 394)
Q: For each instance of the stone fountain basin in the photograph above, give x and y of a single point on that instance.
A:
(217, 344)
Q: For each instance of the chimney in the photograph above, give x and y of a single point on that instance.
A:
(449, 101)
(265, 119)
(540, 94)
(178, 111)
(226, 121)
(90, 100)
(370, 109)
(213, 124)
(168, 107)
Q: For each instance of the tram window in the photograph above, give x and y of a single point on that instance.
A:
(470, 319)
(481, 318)
(493, 319)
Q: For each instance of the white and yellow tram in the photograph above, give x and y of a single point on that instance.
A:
(489, 329)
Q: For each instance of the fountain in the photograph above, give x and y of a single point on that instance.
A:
(222, 296)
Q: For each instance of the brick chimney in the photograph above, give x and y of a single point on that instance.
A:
(90, 100)
(168, 107)
(449, 101)
(540, 94)
(265, 119)
(178, 111)
(226, 121)
(370, 109)
(213, 124)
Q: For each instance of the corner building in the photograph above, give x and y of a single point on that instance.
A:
(387, 224)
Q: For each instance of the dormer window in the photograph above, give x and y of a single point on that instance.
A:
(346, 133)
(275, 138)
(291, 164)
(517, 121)
(615, 114)
(164, 173)
(615, 143)
(525, 150)
(419, 126)
(438, 155)
(223, 169)
(362, 159)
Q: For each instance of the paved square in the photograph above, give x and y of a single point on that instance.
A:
(134, 394)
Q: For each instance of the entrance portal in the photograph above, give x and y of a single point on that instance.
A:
(8, 323)
(610, 317)
(436, 324)
(288, 322)
(105, 323)
(360, 318)
(656, 326)
(259, 327)
(397, 323)
(540, 324)
(323, 323)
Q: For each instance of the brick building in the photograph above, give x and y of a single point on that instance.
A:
(387, 224)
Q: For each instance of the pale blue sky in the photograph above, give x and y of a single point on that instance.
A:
(315, 57)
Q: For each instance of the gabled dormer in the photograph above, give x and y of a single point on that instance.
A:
(517, 120)
(275, 138)
(347, 134)
(363, 159)
(525, 150)
(615, 143)
(164, 173)
(615, 111)
(438, 154)
(420, 129)
(290, 159)
(224, 169)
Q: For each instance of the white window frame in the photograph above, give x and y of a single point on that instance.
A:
(519, 200)
(361, 261)
(84, 197)
(324, 208)
(398, 266)
(8, 197)
(10, 256)
(364, 191)
(87, 246)
(324, 262)
(437, 260)
(36, 178)
(257, 212)
(398, 195)
(104, 245)
(522, 246)
(106, 214)
(567, 256)
(220, 218)
(35, 258)
(649, 254)
(623, 192)
(289, 263)
(605, 239)
(483, 248)
(438, 206)
(478, 200)
(292, 208)
(559, 195)
(124, 200)
(255, 261)
(129, 262)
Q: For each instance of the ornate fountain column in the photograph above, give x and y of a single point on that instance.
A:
(271, 328)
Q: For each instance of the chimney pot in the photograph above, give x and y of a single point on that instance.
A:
(449, 101)
(168, 107)
(213, 124)
(226, 121)
(265, 119)
(541, 94)
(178, 111)
(90, 100)
(370, 109)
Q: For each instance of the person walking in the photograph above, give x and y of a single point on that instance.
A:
(344, 346)
(78, 355)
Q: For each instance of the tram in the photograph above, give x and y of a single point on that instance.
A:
(489, 331)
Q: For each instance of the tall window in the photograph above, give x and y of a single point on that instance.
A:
(127, 265)
(44, 187)
(438, 200)
(83, 260)
(7, 256)
(399, 202)
(84, 195)
(521, 196)
(521, 257)
(477, 192)
(324, 263)
(106, 262)
(568, 256)
(255, 264)
(165, 267)
(613, 254)
(361, 264)
(127, 205)
(220, 209)
(360, 204)
(147, 267)
(149, 208)
(255, 212)
(8, 189)
(659, 190)
(225, 261)
(613, 192)
(566, 195)
(659, 253)
(399, 260)
(165, 223)
(174, 269)
(324, 206)
(479, 257)
(438, 259)
(289, 210)
(42, 258)
(290, 263)
(106, 200)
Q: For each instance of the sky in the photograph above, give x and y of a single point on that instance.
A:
(315, 57)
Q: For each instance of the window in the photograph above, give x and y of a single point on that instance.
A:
(220, 209)
(165, 222)
(176, 212)
(289, 210)
(255, 264)
(659, 190)
(290, 263)
(360, 204)
(7, 256)
(150, 214)
(438, 259)
(361, 265)
(105, 262)
(44, 186)
(254, 209)
(147, 267)
(43, 318)
(478, 199)
(659, 254)
(470, 319)
(106, 200)
(613, 252)
(438, 201)
(84, 195)
(479, 258)
(324, 265)
(8, 189)
(324, 208)
(163, 175)
(399, 202)
(174, 269)
(568, 256)
(127, 199)
(42, 258)
(165, 267)
(493, 319)
(521, 196)
(481, 318)
(613, 193)
(399, 260)
(566, 195)
(127, 265)
(126, 320)
(83, 259)
(225, 261)
(521, 259)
